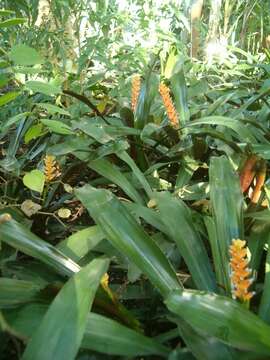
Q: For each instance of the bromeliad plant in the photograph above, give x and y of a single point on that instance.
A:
(152, 263)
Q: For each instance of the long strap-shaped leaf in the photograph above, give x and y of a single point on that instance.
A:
(101, 334)
(18, 236)
(111, 172)
(122, 230)
(204, 347)
(222, 318)
(241, 131)
(61, 331)
(80, 243)
(14, 292)
(264, 309)
(179, 224)
(227, 202)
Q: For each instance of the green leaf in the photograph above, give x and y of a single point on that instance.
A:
(264, 309)
(5, 99)
(61, 330)
(34, 180)
(42, 87)
(12, 22)
(204, 346)
(33, 132)
(101, 334)
(6, 12)
(111, 172)
(227, 206)
(15, 119)
(241, 130)
(27, 70)
(123, 155)
(80, 243)
(25, 55)
(222, 318)
(146, 97)
(53, 109)
(19, 237)
(109, 337)
(174, 212)
(121, 229)
(94, 128)
(215, 247)
(151, 216)
(15, 292)
(179, 89)
(57, 126)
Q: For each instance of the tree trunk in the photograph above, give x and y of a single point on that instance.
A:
(195, 16)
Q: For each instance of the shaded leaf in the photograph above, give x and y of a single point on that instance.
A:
(66, 317)
(121, 229)
(222, 318)
(25, 55)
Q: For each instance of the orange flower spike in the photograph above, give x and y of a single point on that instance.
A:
(260, 179)
(167, 101)
(248, 172)
(51, 168)
(240, 276)
(135, 91)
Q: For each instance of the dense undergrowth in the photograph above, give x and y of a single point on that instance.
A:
(134, 208)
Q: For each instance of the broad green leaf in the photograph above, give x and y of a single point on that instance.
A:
(15, 119)
(178, 221)
(121, 229)
(34, 180)
(146, 97)
(78, 145)
(5, 99)
(151, 216)
(25, 55)
(42, 87)
(123, 155)
(227, 206)
(111, 172)
(258, 237)
(95, 128)
(61, 330)
(264, 309)
(33, 132)
(12, 22)
(22, 239)
(57, 126)
(53, 109)
(214, 243)
(15, 292)
(204, 346)
(27, 70)
(221, 317)
(179, 89)
(109, 337)
(241, 130)
(6, 12)
(101, 334)
(81, 242)
(3, 80)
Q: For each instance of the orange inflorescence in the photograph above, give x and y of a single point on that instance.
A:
(171, 112)
(248, 172)
(51, 168)
(135, 91)
(240, 272)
